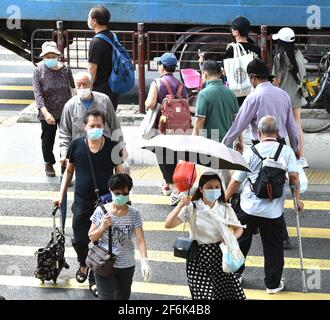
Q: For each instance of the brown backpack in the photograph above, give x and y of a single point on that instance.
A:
(175, 115)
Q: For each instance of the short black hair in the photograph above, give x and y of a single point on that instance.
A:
(212, 67)
(101, 14)
(242, 25)
(94, 113)
(120, 181)
(169, 69)
(258, 69)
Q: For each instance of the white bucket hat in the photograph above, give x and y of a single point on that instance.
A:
(49, 46)
(285, 34)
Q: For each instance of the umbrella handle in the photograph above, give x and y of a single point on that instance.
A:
(191, 179)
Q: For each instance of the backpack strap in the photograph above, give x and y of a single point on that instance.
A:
(106, 38)
(167, 86)
(278, 152)
(255, 151)
(180, 89)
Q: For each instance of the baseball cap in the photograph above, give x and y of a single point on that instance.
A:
(49, 46)
(285, 34)
(168, 59)
(242, 25)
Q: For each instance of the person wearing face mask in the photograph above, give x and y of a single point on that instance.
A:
(51, 85)
(264, 214)
(100, 52)
(206, 279)
(216, 107)
(265, 100)
(240, 28)
(106, 156)
(125, 222)
(72, 126)
(167, 65)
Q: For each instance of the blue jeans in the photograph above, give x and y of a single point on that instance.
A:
(117, 286)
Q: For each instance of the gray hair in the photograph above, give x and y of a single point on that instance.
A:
(268, 125)
(83, 74)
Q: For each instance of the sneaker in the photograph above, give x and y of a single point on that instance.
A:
(49, 170)
(276, 290)
(176, 196)
(166, 191)
(286, 244)
(303, 163)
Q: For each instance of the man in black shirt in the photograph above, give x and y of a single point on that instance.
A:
(106, 156)
(240, 28)
(100, 53)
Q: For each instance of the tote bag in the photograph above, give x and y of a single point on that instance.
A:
(238, 79)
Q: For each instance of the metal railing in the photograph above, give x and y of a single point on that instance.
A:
(144, 46)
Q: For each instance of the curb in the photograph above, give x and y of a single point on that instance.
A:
(128, 115)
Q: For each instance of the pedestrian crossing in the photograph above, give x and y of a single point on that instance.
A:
(161, 257)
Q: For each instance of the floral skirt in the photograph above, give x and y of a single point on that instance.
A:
(206, 279)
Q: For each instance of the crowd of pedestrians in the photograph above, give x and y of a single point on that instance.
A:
(92, 148)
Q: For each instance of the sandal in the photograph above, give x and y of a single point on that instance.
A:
(80, 276)
(93, 289)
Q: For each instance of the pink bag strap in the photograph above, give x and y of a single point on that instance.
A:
(179, 92)
(167, 86)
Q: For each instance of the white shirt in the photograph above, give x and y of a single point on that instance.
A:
(250, 203)
(203, 226)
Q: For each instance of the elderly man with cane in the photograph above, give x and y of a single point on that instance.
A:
(258, 211)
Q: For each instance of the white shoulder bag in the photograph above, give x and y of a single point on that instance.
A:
(235, 69)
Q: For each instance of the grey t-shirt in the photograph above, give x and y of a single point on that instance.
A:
(288, 83)
(122, 234)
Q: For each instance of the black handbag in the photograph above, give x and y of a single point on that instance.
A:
(186, 248)
(98, 259)
(99, 199)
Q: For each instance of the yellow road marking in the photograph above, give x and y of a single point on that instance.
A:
(154, 288)
(16, 88)
(167, 256)
(15, 101)
(319, 233)
(139, 198)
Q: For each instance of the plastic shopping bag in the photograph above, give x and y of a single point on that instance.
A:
(232, 258)
(302, 178)
(184, 175)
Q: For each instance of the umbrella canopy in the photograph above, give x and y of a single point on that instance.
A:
(197, 149)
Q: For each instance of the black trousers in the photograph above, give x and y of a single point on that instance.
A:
(117, 286)
(286, 235)
(272, 236)
(166, 169)
(47, 140)
(81, 225)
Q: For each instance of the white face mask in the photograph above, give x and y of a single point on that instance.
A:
(90, 25)
(84, 93)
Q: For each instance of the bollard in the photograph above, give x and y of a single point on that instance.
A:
(141, 67)
(60, 38)
(263, 42)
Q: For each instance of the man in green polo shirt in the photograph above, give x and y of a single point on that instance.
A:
(216, 104)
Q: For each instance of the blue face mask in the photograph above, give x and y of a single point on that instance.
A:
(119, 200)
(94, 133)
(212, 194)
(51, 63)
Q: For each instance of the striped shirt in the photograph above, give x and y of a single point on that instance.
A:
(122, 232)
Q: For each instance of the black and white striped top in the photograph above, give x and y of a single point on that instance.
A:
(122, 233)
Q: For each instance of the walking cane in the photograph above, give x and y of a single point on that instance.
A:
(303, 276)
(64, 203)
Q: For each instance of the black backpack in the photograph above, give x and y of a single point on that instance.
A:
(271, 177)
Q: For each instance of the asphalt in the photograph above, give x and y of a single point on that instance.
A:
(26, 199)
